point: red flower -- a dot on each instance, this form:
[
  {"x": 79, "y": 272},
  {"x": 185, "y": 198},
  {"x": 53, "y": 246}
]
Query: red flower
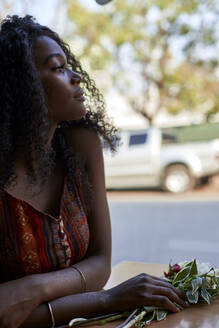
[
  {"x": 176, "y": 268},
  {"x": 172, "y": 269},
  {"x": 166, "y": 274}
]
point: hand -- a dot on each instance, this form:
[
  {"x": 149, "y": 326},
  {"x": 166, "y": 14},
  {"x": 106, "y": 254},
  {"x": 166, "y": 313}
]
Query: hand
[
  {"x": 145, "y": 290},
  {"x": 18, "y": 298}
]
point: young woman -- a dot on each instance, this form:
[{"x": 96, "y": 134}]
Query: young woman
[{"x": 55, "y": 240}]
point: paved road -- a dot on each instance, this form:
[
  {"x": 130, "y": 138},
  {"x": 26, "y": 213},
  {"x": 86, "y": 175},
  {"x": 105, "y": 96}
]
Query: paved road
[{"x": 158, "y": 231}]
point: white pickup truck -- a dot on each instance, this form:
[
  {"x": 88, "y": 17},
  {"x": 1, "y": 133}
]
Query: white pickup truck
[{"x": 150, "y": 158}]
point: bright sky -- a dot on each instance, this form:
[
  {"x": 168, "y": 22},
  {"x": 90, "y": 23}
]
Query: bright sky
[{"x": 47, "y": 12}]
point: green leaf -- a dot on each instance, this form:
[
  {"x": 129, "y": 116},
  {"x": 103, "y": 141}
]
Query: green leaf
[
  {"x": 205, "y": 295},
  {"x": 149, "y": 317},
  {"x": 181, "y": 286},
  {"x": 136, "y": 320},
  {"x": 196, "y": 283},
  {"x": 192, "y": 298},
  {"x": 150, "y": 308},
  {"x": 187, "y": 282},
  {"x": 188, "y": 264},
  {"x": 193, "y": 269},
  {"x": 207, "y": 274},
  {"x": 179, "y": 306},
  {"x": 206, "y": 282},
  {"x": 181, "y": 275},
  {"x": 161, "y": 314}
]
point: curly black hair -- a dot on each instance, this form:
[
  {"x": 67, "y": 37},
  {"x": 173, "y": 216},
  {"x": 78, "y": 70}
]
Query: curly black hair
[{"x": 23, "y": 108}]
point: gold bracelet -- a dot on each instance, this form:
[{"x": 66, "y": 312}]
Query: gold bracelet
[
  {"x": 51, "y": 315},
  {"x": 83, "y": 279}
]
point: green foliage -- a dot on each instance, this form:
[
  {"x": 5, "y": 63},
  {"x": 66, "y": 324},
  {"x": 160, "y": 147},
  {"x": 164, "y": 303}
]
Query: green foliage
[
  {"x": 192, "y": 297},
  {"x": 197, "y": 288},
  {"x": 161, "y": 315},
  {"x": 135, "y": 41},
  {"x": 149, "y": 317},
  {"x": 196, "y": 283},
  {"x": 205, "y": 295},
  {"x": 198, "y": 132},
  {"x": 180, "y": 276}
]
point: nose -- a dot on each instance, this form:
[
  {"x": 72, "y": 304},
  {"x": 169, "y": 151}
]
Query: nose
[{"x": 75, "y": 77}]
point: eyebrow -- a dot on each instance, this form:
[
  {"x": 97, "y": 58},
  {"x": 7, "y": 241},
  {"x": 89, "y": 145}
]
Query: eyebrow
[{"x": 57, "y": 54}]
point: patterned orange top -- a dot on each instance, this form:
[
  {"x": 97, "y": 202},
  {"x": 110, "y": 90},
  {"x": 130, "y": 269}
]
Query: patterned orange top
[{"x": 35, "y": 242}]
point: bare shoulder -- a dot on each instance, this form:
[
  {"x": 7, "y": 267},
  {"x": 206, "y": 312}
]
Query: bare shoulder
[{"x": 84, "y": 141}]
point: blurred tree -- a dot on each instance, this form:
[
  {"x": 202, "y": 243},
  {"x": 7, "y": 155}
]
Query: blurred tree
[{"x": 162, "y": 53}]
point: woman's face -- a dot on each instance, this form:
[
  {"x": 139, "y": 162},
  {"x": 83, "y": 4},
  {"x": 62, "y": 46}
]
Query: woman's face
[{"x": 62, "y": 85}]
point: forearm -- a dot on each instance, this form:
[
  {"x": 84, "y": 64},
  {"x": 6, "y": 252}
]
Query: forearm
[
  {"x": 65, "y": 308},
  {"x": 96, "y": 271}
]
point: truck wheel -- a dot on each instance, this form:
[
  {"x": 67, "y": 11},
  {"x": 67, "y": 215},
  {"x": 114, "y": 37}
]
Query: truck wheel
[
  {"x": 204, "y": 181},
  {"x": 177, "y": 178}
]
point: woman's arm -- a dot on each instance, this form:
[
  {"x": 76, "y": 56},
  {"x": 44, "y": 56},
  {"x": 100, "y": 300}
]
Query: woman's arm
[
  {"x": 133, "y": 293},
  {"x": 97, "y": 265},
  {"x": 18, "y": 298}
]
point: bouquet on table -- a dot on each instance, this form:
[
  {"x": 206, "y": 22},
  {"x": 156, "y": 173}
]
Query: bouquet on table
[{"x": 198, "y": 281}]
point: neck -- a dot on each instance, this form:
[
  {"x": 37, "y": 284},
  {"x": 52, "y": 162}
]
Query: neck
[{"x": 51, "y": 134}]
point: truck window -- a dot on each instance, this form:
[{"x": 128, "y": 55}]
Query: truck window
[
  {"x": 137, "y": 139},
  {"x": 168, "y": 138}
]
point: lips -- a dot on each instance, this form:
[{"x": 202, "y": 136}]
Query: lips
[{"x": 79, "y": 94}]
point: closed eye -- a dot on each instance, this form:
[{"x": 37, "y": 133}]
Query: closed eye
[{"x": 60, "y": 68}]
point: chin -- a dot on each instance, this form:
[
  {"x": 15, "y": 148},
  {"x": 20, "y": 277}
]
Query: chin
[
  {"x": 83, "y": 112},
  {"x": 76, "y": 113},
  {"x": 80, "y": 115}
]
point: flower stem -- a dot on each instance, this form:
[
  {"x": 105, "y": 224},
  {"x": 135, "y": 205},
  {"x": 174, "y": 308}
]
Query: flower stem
[{"x": 138, "y": 318}]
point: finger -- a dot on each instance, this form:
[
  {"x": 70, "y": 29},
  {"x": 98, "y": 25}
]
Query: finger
[
  {"x": 177, "y": 291},
  {"x": 160, "y": 280},
  {"x": 168, "y": 292},
  {"x": 163, "y": 283},
  {"x": 163, "y": 302},
  {"x": 155, "y": 278}
]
